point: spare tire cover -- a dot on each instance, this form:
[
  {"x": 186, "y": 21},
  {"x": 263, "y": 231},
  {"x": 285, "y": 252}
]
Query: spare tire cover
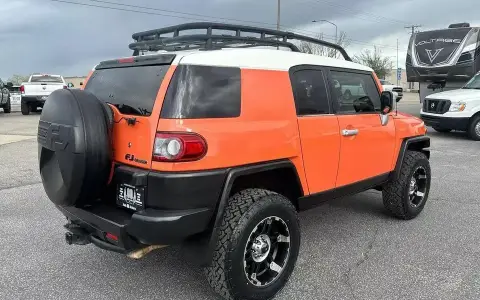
[{"x": 74, "y": 148}]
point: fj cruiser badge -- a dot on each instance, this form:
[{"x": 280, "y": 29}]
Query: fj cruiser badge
[{"x": 132, "y": 157}]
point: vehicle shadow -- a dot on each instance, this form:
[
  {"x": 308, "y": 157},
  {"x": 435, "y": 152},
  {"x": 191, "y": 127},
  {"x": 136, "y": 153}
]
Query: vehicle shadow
[
  {"x": 173, "y": 273},
  {"x": 453, "y": 135}
]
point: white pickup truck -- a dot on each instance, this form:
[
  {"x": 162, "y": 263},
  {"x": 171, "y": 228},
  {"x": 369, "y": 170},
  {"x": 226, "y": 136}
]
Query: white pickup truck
[
  {"x": 395, "y": 89},
  {"x": 37, "y": 89}
]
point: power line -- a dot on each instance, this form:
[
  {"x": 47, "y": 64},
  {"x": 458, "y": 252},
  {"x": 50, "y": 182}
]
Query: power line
[
  {"x": 347, "y": 8},
  {"x": 271, "y": 25},
  {"x": 124, "y": 9},
  {"x": 332, "y": 37},
  {"x": 198, "y": 17},
  {"x": 180, "y": 13}
]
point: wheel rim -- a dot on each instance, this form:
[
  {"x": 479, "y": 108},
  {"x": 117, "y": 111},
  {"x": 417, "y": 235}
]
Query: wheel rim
[
  {"x": 417, "y": 187},
  {"x": 267, "y": 251},
  {"x": 477, "y": 128}
]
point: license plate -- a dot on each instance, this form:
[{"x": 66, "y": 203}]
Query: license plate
[{"x": 131, "y": 197}]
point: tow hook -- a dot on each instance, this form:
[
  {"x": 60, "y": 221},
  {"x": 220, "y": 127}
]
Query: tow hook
[
  {"x": 139, "y": 253},
  {"x": 76, "y": 235}
]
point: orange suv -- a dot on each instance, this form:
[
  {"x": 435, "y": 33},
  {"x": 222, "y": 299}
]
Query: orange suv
[{"x": 199, "y": 138}]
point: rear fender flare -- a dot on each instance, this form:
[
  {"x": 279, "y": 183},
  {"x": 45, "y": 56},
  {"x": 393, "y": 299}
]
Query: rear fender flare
[{"x": 232, "y": 175}]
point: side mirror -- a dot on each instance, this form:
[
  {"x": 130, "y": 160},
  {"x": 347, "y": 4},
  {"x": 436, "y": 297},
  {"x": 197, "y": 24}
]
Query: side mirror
[
  {"x": 386, "y": 101},
  {"x": 70, "y": 85}
]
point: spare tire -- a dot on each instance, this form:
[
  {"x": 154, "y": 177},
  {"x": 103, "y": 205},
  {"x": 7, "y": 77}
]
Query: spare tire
[{"x": 74, "y": 147}]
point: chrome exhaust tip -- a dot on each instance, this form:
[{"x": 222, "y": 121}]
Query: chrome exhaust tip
[{"x": 140, "y": 253}]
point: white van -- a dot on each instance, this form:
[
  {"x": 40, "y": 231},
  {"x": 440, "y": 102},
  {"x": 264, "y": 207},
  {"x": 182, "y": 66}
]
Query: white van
[{"x": 455, "y": 109}]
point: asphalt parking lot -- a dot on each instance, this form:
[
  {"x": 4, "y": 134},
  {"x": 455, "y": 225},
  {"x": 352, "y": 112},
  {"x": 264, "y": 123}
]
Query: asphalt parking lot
[{"x": 350, "y": 248}]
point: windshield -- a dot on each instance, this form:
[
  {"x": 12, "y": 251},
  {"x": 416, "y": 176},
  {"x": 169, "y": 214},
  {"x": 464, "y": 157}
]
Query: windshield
[
  {"x": 384, "y": 82},
  {"x": 474, "y": 83},
  {"x": 132, "y": 90},
  {"x": 46, "y": 78}
]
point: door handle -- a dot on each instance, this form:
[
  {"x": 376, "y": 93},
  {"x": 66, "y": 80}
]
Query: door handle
[{"x": 349, "y": 132}]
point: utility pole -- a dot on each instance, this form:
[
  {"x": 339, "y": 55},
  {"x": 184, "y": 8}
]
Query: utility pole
[
  {"x": 397, "y": 64},
  {"x": 413, "y": 27},
  {"x": 278, "y": 15},
  {"x": 278, "y": 19}
]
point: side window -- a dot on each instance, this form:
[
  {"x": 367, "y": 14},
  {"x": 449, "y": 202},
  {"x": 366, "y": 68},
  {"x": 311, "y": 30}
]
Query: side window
[
  {"x": 310, "y": 92},
  {"x": 355, "y": 92},
  {"x": 203, "y": 92}
]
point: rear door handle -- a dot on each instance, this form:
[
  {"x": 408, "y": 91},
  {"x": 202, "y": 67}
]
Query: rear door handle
[{"x": 349, "y": 132}]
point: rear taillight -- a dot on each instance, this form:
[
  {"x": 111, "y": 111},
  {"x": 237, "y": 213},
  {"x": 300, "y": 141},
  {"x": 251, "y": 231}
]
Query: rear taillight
[
  {"x": 22, "y": 89},
  {"x": 64, "y": 86},
  {"x": 173, "y": 147}
]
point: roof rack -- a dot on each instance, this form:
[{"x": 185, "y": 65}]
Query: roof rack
[{"x": 153, "y": 40}]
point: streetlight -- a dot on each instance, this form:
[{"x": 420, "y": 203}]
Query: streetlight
[{"x": 336, "y": 28}]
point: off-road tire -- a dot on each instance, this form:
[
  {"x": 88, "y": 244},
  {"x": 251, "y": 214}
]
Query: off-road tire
[
  {"x": 472, "y": 133},
  {"x": 25, "y": 108},
  {"x": 8, "y": 107},
  {"x": 440, "y": 129},
  {"x": 244, "y": 210},
  {"x": 396, "y": 192}
]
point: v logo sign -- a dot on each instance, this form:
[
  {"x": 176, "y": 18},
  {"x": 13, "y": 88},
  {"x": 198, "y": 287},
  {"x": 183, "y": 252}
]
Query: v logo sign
[{"x": 432, "y": 57}]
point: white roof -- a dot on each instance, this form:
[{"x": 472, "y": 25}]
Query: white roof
[{"x": 265, "y": 59}]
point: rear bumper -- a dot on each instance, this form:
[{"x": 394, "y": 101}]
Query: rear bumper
[
  {"x": 34, "y": 99},
  {"x": 150, "y": 227},
  {"x": 460, "y": 124},
  {"x": 178, "y": 205}
]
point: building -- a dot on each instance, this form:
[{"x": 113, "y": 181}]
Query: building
[
  {"x": 392, "y": 77},
  {"x": 75, "y": 80}
]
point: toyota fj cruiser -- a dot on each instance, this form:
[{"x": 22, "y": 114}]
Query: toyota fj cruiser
[{"x": 195, "y": 138}]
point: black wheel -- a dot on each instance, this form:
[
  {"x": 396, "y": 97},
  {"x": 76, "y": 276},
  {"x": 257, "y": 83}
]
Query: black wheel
[
  {"x": 8, "y": 107},
  {"x": 440, "y": 129},
  {"x": 347, "y": 95},
  {"x": 406, "y": 196},
  {"x": 25, "y": 108},
  {"x": 474, "y": 128},
  {"x": 257, "y": 248}
]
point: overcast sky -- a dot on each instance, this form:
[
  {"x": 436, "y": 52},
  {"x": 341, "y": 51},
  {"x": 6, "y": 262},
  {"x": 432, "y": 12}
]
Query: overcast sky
[{"x": 53, "y": 37}]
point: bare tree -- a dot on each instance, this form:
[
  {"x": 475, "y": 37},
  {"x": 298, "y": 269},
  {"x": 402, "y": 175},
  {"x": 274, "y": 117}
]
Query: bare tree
[
  {"x": 17, "y": 79},
  {"x": 316, "y": 49},
  {"x": 382, "y": 65}
]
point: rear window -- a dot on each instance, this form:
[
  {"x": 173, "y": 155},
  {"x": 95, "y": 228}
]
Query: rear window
[
  {"x": 203, "y": 92},
  {"x": 132, "y": 90},
  {"x": 46, "y": 78}
]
